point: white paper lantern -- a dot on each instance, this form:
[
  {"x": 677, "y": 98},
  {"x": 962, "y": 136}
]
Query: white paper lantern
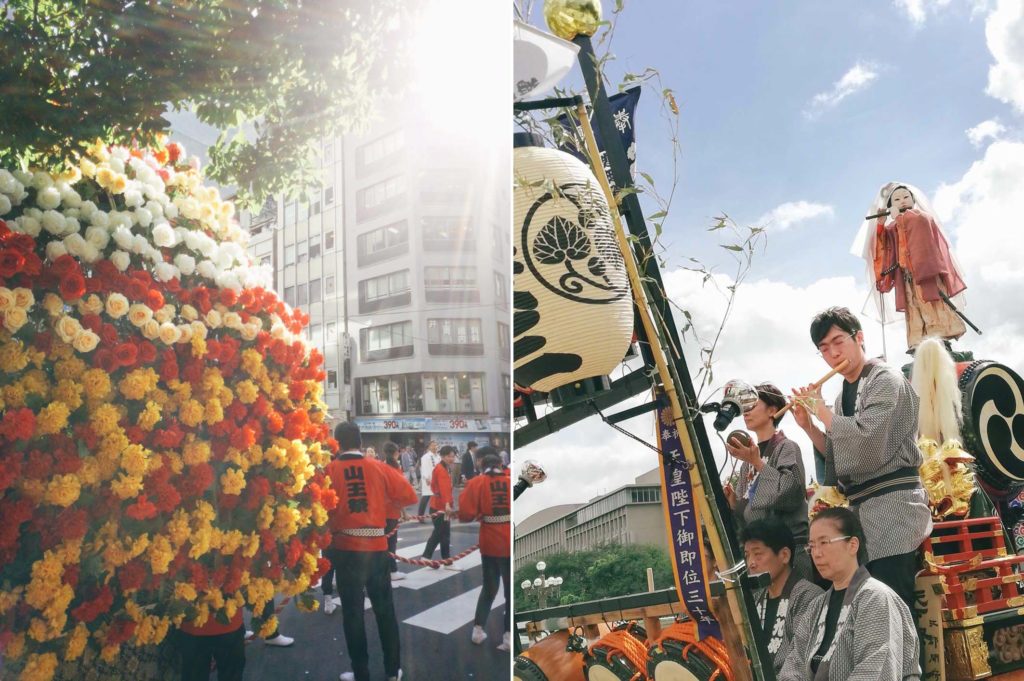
[{"x": 573, "y": 309}]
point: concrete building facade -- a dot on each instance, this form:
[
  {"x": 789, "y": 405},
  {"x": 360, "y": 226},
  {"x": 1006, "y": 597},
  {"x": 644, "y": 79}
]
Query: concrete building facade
[
  {"x": 402, "y": 260},
  {"x": 631, "y": 514}
]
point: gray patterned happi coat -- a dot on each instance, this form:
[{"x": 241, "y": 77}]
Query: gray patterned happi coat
[
  {"x": 797, "y": 596},
  {"x": 878, "y": 438},
  {"x": 875, "y": 637}
]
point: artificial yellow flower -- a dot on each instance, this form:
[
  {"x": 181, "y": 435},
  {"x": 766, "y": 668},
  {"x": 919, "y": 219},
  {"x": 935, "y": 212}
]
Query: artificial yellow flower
[
  {"x": 247, "y": 392},
  {"x": 68, "y": 392},
  {"x": 13, "y": 395},
  {"x": 76, "y": 642},
  {"x": 214, "y": 412},
  {"x": 63, "y": 490},
  {"x": 12, "y": 356},
  {"x": 185, "y": 591},
  {"x": 195, "y": 452},
  {"x": 191, "y": 413},
  {"x": 104, "y": 419},
  {"x": 39, "y": 667},
  {"x": 69, "y": 368},
  {"x": 160, "y": 554},
  {"x": 232, "y": 481},
  {"x": 52, "y": 418},
  {"x": 150, "y": 416},
  {"x": 126, "y": 486}
]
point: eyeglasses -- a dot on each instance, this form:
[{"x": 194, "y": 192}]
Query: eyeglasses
[
  {"x": 821, "y": 544},
  {"x": 834, "y": 344}
]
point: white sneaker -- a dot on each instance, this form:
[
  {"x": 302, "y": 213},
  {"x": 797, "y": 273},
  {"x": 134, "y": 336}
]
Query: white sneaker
[
  {"x": 397, "y": 576},
  {"x": 249, "y": 634},
  {"x": 506, "y": 642},
  {"x": 281, "y": 641},
  {"x": 347, "y": 676},
  {"x": 396, "y": 678},
  {"x": 331, "y": 604},
  {"x": 453, "y": 568},
  {"x": 478, "y": 634}
]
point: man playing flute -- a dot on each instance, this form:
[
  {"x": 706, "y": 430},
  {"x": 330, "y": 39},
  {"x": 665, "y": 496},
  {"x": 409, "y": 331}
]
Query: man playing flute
[{"x": 868, "y": 442}]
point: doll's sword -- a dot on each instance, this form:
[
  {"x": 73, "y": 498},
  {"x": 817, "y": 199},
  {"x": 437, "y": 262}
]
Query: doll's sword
[{"x": 959, "y": 314}]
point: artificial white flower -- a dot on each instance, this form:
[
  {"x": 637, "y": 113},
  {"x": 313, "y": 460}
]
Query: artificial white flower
[
  {"x": 140, "y": 244},
  {"x": 121, "y": 260},
  {"x": 124, "y": 237},
  {"x": 75, "y": 244},
  {"x": 165, "y": 271},
  {"x": 54, "y": 222},
  {"x": 207, "y": 269},
  {"x": 229, "y": 280},
  {"x": 143, "y": 216},
  {"x": 23, "y": 177},
  {"x": 133, "y": 198},
  {"x": 170, "y": 210},
  {"x": 186, "y": 263},
  {"x": 5, "y": 204},
  {"x": 86, "y": 210},
  {"x": 48, "y": 198},
  {"x": 155, "y": 208},
  {"x": 116, "y": 164},
  {"x": 223, "y": 259},
  {"x": 163, "y": 235},
  {"x": 68, "y": 196},
  {"x": 29, "y": 225},
  {"x": 99, "y": 218},
  {"x": 71, "y": 226},
  {"x": 55, "y": 249},
  {"x": 71, "y": 213},
  {"x": 90, "y": 254},
  {"x": 41, "y": 180},
  {"x": 97, "y": 236},
  {"x": 9, "y": 184}
]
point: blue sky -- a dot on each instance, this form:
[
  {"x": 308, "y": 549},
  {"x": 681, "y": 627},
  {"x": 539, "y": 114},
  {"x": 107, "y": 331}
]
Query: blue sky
[{"x": 820, "y": 103}]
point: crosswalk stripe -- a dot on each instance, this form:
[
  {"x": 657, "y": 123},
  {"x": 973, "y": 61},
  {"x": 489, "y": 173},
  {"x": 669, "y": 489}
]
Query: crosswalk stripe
[
  {"x": 453, "y": 613},
  {"x": 417, "y": 579}
]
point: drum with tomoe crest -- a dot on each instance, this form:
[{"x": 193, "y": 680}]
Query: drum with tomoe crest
[{"x": 993, "y": 422}]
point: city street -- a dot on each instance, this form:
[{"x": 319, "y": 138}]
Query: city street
[{"x": 435, "y": 613}]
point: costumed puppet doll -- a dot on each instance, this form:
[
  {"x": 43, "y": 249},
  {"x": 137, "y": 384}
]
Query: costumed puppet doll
[{"x": 907, "y": 252}]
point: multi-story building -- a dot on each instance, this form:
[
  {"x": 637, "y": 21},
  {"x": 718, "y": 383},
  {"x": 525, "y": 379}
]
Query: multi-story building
[
  {"x": 402, "y": 260},
  {"x": 631, "y": 514}
]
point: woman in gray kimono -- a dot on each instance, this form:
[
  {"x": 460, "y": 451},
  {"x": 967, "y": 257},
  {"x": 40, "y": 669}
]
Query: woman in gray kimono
[
  {"x": 772, "y": 482},
  {"x": 858, "y": 630}
]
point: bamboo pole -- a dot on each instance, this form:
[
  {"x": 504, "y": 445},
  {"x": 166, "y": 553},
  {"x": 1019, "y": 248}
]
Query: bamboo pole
[{"x": 735, "y": 643}]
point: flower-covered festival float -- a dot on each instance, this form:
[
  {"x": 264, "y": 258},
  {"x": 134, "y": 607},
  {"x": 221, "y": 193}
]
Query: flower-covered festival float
[{"x": 162, "y": 433}]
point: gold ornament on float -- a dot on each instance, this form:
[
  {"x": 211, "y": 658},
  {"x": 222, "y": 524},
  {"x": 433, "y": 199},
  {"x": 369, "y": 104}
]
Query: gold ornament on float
[
  {"x": 573, "y": 312},
  {"x": 570, "y": 18},
  {"x": 947, "y": 476}
]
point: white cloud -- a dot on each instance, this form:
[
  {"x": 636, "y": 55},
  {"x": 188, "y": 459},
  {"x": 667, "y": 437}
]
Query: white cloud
[
  {"x": 917, "y": 10},
  {"x": 860, "y": 76},
  {"x": 990, "y": 129},
  {"x": 1004, "y": 32},
  {"x": 786, "y": 215}
]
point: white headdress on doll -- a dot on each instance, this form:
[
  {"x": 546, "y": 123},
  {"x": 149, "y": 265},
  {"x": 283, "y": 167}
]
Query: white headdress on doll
[{"x": 879, "y": 306}]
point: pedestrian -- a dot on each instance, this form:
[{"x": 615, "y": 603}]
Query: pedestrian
[
  {"x": 394, "y": 514},
  {"x": 409, "y": 466},
  {"x": 486, "y": 498},
  {"x": 427, "y": 464},
  {"x": 468, "y": 469},
  {"x": 365, "y": 489},
  {"x": 212, "y": 641},
  {"x": 769, "y": 546},
  {"x": 868, "y": 444},
  {"x": 275, "y": 637},
  {"x": 772, "y": 482},
  {"x": 442, "y": 503},
  {"x": 859, "y": 628}
]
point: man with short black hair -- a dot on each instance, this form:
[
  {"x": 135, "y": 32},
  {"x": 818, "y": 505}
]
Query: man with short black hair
[
  {"x": 469, "y": 470},
  {"x": 487, "y": 499},
  {"x": 365, "y": 489},
  {"x": 869, "y": 447},
  {"x": 442, "y": 504},
  {"x": 768, "y": 546}
]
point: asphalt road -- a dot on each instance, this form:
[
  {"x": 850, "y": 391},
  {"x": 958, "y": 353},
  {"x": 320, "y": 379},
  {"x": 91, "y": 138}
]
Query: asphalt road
[{"x": 435, "y": 614}]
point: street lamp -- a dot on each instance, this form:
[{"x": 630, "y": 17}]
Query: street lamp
[{"x": 543, "y": 586}]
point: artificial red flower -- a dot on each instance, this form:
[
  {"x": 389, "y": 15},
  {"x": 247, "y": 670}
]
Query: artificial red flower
[
  {"x": 147, "y": 352},
  {"x": 11, "y": 262},
  {"x": 142, "y": 509},
  {"x": 228, "y": 297},
  {"x": 126, "y": 354},
  {"x": 72, "y": 286},
  {"x": 72, "y": 523},
  {"x": 108, "y": 334},
  {"x": 154, "y": 299},
  {"x": 94, "y": 607},
  {"x": 132, "y": 575}
]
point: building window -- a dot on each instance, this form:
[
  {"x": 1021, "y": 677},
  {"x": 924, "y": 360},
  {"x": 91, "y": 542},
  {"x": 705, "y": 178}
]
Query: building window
[
  {"x": 506, "y": 393},
  {"x": 289, "y": 214},
  {"x": 380, "y": 149},
  {"x": 329, "y": 240},
  {"x": 289, "y": 295},
  {"x": 390, "y": 394},
  {"x": 500, "y": 291},
  {"x": 301, "y": 297},
  {"x": 389, "y": 290},
  {"x": 329, "y": 285},
  {"x": 447, "y": 233},
  {"x": 454, "y": 337},
  {"x": 332, "y": 379},
  {"x": 314, "y": 291},
  {"x": 301, "y": 254},
  {"x": 388, "y": 341},
  {"x": 266, "y": 259},
  {"x": 503, "y": 339},
  {"x": 314, "y": 246},
  {"x": 289, "y": 255},
  {"x": 316, "y": 335},
  {"x": 379, "y": 197},
  {"x": 383, "y": 243},
  {"x": 451, "y": 284},
  {"x": 314, "y": 209},
  {"x": 329, "y": 196},
  {"x": 454, "y": 393},
  {"x": 328, "y": 154},
  {"x": 443, "y": 186},
  {"x": 332, "y": 332}
]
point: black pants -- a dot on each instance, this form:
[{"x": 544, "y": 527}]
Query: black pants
[
  {"x": 197, "y": 651},
  {"x": 442, "y": 535},
  {"x": 360, "y": 572},
  {"x": 897, "y": 572},
  {"x": 494, "y": 569},
  {"x": 327, "y": 581},
  {"x": 424, "y": 500},
  {"x": 389, "y": 525}
]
